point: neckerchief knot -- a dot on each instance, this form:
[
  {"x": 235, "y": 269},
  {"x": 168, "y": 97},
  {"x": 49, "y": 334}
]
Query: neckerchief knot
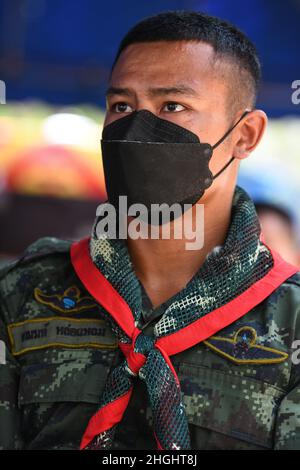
[{"x": 137, "y": 351}]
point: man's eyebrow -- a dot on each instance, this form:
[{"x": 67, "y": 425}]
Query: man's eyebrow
[
  {"x": 173, "y": 90},
  {"x": 112, "y": 90},
  {"x": 153, "y": 92}
]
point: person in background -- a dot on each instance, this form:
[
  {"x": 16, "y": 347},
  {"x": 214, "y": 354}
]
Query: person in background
[{"x": 275, "y": 198}]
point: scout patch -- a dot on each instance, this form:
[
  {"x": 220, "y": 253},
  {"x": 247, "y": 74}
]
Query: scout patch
[
  {"x": 42, "y": 333},
  {"x": 70, "y": 301},
  {"x": 242, "y": 348}
]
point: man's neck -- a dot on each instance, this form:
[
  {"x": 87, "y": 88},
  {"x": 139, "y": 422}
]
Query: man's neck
[{"x": 164, "y": 267}]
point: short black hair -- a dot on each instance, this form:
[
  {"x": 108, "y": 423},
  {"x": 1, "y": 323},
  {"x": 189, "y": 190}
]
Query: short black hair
[{"x": 228, "y": 42}]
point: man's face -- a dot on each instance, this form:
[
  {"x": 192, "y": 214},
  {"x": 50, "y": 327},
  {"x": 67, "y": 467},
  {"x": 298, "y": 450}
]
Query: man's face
[{"x": 177, "y": 81}]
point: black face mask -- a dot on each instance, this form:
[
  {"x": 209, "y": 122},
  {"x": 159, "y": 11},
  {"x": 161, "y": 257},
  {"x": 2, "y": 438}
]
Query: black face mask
[{"x": 154, "y": 161}]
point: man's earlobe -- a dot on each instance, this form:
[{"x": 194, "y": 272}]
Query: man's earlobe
[{"x": 241, "y": 153}]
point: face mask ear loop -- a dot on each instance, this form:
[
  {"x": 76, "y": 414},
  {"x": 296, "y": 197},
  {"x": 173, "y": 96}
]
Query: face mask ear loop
[
  {"x": 223, "y": 138},
  {"x": 224, "y": 168},
  {"x": 230, "y": 130}
]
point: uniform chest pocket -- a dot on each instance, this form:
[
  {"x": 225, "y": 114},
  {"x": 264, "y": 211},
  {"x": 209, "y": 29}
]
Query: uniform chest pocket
[
  {"x": 228, "y": 410},
  {"x": 59, "y": 391},
  {"x": 77, "y": 379}
]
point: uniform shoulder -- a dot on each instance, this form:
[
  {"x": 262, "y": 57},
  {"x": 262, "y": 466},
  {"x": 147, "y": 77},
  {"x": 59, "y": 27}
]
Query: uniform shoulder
[
  {"x": 285, "y": 300},
  {"x": 40, "y": 248},
  {"x": 289, "y": 292},
  {"x": 44, "y": 263},
  {"x": 294, "y": 279}
]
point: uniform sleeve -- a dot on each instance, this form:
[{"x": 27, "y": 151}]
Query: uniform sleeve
[
  {"x": 287, "y": 430},
  {"x": 287, "y": 436},
  {"x": 10, "y": 414}
]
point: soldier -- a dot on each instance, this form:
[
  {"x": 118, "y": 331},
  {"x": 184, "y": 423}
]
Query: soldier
[{"x": 140, "y": 343}]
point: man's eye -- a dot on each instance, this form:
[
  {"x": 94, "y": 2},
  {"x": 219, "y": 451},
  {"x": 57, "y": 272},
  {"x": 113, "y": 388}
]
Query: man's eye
[
  {"x": 173, "y": 107},
  {"x": 121, "y": 108}
]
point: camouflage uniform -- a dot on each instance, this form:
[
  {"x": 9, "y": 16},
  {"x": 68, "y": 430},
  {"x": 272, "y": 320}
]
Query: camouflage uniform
[{"x": 59, "y": 354}]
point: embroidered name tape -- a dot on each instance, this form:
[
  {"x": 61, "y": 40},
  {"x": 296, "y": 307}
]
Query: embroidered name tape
[
  {"x": 41, "y": 333},
  {"x": 242, "y": 348}
]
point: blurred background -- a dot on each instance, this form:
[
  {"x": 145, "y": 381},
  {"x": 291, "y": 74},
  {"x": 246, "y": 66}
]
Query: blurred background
[{"x": 55, "y": 57}]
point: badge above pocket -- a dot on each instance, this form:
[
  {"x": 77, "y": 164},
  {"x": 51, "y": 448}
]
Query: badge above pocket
[
  {"x": 69, "y": 301},
  {"x": 243, "y": 348}
]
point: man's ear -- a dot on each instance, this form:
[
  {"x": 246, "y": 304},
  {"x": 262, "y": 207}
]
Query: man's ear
[{"x": 250, "y": 131}]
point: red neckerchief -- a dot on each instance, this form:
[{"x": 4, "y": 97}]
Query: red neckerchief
[{"x": 106, "y": 295}]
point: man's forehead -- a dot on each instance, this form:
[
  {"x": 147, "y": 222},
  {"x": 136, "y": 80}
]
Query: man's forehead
[
  {"x": 162, "y": 66},
  {"x": 182, "y": 49}
]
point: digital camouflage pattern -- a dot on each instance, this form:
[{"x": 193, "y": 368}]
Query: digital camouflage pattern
[{"x": 58, "y": 358}]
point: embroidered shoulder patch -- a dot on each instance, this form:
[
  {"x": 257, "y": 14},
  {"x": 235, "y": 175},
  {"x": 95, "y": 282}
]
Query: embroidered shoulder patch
[
  {"x": 41, "y": 333},
  {"x": 70, "y": 301},
  {"x": 242, "y": 348}
]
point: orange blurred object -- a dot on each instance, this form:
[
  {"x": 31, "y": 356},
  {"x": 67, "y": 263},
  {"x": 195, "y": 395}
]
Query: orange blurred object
[{"x": 54, "y": 170}]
